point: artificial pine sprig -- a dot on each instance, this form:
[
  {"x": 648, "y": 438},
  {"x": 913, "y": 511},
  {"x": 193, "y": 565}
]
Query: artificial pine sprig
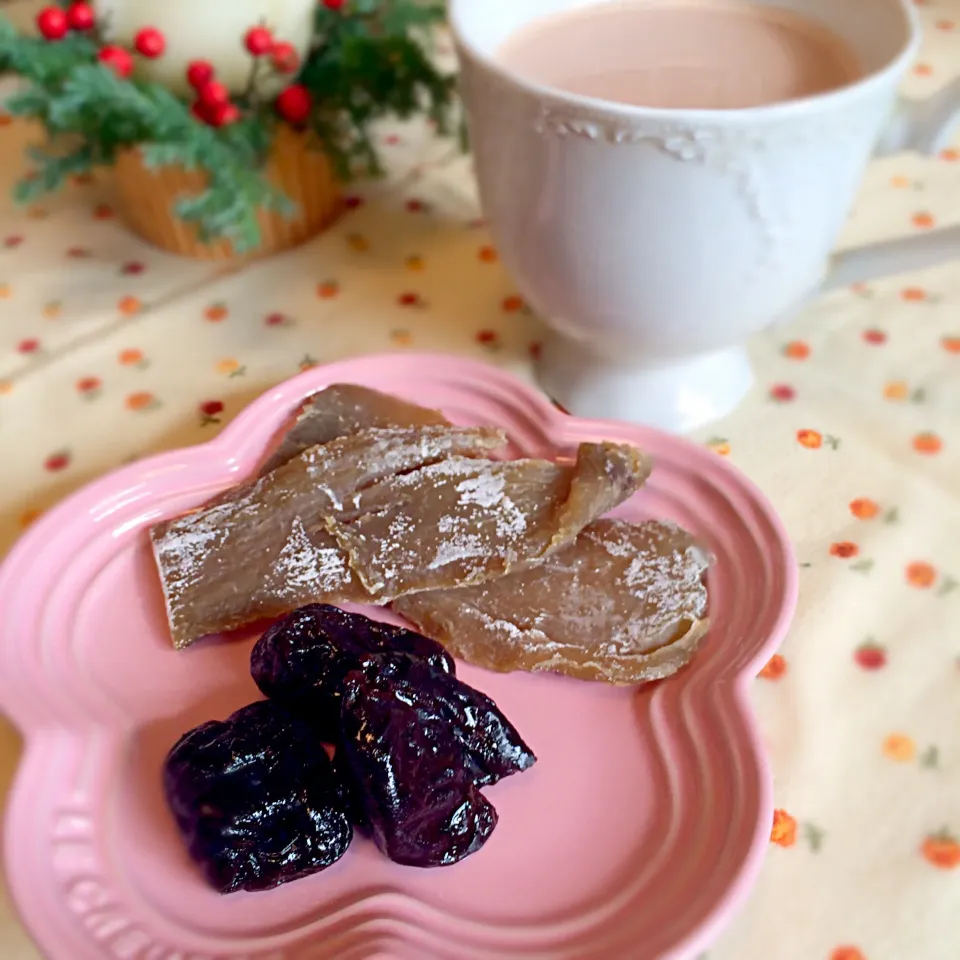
[{"x": 367, "y": 59}]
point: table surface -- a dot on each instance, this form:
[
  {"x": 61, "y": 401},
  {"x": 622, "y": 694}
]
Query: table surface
[{"x": 110, "y": 350}]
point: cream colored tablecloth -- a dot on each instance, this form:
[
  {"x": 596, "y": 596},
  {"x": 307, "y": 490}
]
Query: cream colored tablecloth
[{"x": 110, "y": 351}]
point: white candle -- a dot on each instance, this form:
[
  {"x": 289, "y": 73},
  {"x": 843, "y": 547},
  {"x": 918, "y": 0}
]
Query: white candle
[{"x": 211, "y": 30}]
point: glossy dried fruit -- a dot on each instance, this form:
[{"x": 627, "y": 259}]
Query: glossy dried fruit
[
  {"x": 256, "y": 799},
  {"x": 301, "y": 661},
  {"x": 419, "y": 745}
]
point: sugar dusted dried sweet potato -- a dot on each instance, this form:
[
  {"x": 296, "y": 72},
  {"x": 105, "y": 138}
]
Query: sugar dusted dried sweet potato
[
  {"x": 261, "y": 549},
  {"x": 344, "y": 409},
  {"x": 464, "y": 521},
  {"x": 626, "y": 603}
]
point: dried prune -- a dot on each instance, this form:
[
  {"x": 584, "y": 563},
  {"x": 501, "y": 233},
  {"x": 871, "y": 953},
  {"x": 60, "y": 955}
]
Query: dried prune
[
  {"x": 412, "y": 778},
  {"x": 493, "y": 745},
  {"x": 302, "y": 659},
  {"x": 419, "y": 745},
  {"x": 256, "y": 799}
]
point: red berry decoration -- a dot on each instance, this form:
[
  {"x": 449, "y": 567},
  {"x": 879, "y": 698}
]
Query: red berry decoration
[
  {"x": 52, "y": 23},
  {"x": 223, "y": 115},
  {"x": 199, "y": 73},
  {"x": 213, "y": 94},
  {"x": 258, "y": 41},
  {"x": 285, "y": 58},
  {"x": 150, "y": 43},
  {"x": 118, "y": 59},
  {"x": 80, "y": 16},
  {"x": 334, "y": 4},
  {"x": 294, "y": 103}
]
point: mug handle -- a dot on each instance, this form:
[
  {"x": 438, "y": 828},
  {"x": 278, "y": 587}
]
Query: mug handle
[{"x": 924, "y": 126}]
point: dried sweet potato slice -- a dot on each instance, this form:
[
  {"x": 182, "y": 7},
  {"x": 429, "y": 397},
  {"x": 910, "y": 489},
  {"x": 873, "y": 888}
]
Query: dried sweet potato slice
[
  {"x": 464, "y": 521},
  {"x": 626, "y": 603},
  {"x": 261, "y": 549},
  {"x": 344, "y": 409}
]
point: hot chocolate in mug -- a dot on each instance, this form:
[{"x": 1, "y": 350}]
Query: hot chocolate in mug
[{"x": 655, "y": 241}]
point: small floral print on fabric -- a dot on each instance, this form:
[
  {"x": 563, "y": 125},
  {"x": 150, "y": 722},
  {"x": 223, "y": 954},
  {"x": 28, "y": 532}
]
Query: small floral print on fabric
[
  {"x": 797, "y": 350},
  {"x": 845, "y": 550},
  {"x": 210, "y": 411},
  {"x": 784, "y": 831},
  {"x": 132, "y": 357},
  {"x": 410, "y": 299},
  {"x": 814, "y": 440},
  {"x": 141, "y": 401},
  {"x": 514, "y": 304},
  {"x": 216, "y": 312},
  {"x": 942, "y": 850},
  {"x": 89, "y": 387},
  {"x": 57, "y": 461},
  {"x": 847, "y": 953},
  {"x": 870, "y": 656},
  {"x": 328, "y": 289},
  {"x": 921, "y": 575},
  {"x": 896, "y": 390},
  {"x": 782, "y": 393},
  {"x": 29, "y": 517},
  {"x": 230, "y": 367},
  {"x": 129, "y": 306},
  {"x": 899, "y": 747},
  {"x": 720, "y": 446},
  {"x": 787, "y": 831},
  {"x": 775, "y": 669},
  {"x": 927, "y": 443},
  {"x": 863, "y": 508}
]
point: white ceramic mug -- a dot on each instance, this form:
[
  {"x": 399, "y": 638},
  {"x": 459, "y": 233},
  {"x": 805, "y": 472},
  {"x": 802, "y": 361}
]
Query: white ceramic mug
[{"x": 655, "y": 242}]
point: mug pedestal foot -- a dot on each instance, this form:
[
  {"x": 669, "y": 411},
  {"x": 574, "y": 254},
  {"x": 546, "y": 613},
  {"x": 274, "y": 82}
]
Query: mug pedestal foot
[{"x": 678, "y": 397}]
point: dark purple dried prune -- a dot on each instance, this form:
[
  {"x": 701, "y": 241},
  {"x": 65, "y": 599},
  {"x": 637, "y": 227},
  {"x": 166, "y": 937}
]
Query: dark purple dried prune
[
  {"x": 256, "y": 799},
  {"x": 420, "y": 745},
  {"x": 412, "y": 777},
  {"x": 302, "y": 659},
  {"x": 492, "y": 743}
]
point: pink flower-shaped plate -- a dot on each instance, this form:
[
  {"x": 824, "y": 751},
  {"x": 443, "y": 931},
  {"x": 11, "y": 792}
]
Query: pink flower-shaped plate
[{"x": 636, "y": 835}]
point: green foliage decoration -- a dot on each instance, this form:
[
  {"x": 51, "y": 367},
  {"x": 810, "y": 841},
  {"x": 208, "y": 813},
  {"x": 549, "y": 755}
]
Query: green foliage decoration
[{"x": 368, "y": 59}]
